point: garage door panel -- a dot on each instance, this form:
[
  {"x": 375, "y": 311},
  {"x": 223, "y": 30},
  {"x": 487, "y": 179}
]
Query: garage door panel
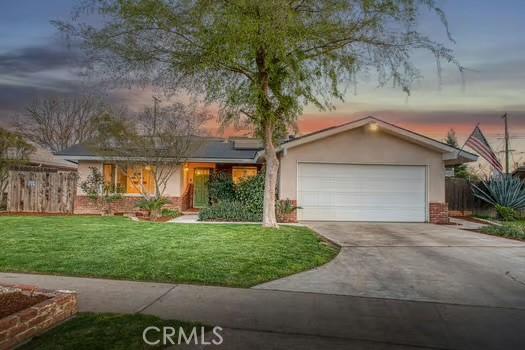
[
  {"x": 361, "y": 185},
  {"x": 358, "y": 214},
  {"x": 345, "y": 192}
]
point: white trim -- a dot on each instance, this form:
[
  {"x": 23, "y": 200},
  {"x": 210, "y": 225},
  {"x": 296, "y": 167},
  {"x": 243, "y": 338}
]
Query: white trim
[
  {"x": 181, "y": 161},
  {"x": 460, "y": 154},
  {"x": 427, "y": 194},
  {"x": 425, "y": 166}
]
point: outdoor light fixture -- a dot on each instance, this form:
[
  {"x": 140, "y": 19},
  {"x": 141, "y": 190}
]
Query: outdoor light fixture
[{"x": 374, "y": 127}]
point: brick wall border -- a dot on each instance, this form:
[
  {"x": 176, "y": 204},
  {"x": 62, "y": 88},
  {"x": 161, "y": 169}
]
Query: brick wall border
[
  {"x": 128, "y": 205},
  {"x": 21, "y": 326},
  {"x": 438, "y": 213}
]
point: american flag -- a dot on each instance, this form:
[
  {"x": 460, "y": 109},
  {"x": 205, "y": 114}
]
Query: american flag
[{"x": 479, "y": 143}]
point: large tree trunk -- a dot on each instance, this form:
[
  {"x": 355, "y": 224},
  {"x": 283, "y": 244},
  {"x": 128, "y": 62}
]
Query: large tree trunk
[{"x": 270, "y": 179}]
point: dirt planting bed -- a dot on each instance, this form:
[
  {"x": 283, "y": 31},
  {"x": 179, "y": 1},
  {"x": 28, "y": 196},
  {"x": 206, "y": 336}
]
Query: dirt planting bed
[
  {"x": 12, "y": 302},
  {"x": 26, "y": 311}
]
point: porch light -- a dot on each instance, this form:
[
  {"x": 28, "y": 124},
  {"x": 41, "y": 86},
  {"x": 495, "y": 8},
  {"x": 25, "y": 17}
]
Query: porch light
[{"x": 374, "y": 127}]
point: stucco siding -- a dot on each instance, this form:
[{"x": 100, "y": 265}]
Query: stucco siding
[
  {"x": 363, "y": 146},
  {"x": 84, "y": 171}
]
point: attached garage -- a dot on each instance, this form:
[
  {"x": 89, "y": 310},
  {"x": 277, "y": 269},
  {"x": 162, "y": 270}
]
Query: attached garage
[
  {"x": 367, "y": 170},
  {"x": 355, "y": 192}
]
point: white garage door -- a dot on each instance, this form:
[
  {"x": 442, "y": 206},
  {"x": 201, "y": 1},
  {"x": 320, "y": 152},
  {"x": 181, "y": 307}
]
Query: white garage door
[{"x": 348, "y": 192}]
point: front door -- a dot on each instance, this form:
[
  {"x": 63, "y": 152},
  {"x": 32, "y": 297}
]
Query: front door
[{"x": 200, "y": 187}]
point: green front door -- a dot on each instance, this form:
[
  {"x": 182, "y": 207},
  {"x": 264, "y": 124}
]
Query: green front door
[{"x": 200, "y": 187}]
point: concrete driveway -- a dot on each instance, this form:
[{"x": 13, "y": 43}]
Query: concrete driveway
[{"x": 416, "y": 262}]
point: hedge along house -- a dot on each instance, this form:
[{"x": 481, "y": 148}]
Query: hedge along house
[{"x": 365, "y": 170}]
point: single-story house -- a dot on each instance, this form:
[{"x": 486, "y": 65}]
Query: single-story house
[{"x": 364, "y": 170}]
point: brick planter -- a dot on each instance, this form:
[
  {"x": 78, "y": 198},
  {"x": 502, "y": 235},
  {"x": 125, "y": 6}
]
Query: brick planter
[
  {"x": 23, "y": 325},
  {"x": 128, "y": 205}
]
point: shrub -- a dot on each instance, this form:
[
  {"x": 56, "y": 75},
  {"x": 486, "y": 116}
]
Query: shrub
[
  {"x": 234, "y": 202},
  {"x": 509, "y": 230},
  {"x": 240, "y": 202},
  {"x": 172, "y": 213},
  {"x": 220, "y": 187},
  {"x": 503, "y": 190},
  {"x": 228, "y": 211},
  {"x": 153, "y": 205},
  {"x": 250, "y": 192},
  {"x": 284, "y": 208},
  {"x": 506, "y": 213},
  {"x": 100, "y": 193}
]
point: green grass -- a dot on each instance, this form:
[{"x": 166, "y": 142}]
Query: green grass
[
  {"x": 116, "y": 247},
  {"x": 514, "y": 230},
  {"x": 104, "y": 331}
]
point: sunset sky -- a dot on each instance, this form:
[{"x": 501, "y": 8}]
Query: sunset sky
[{"x": 490, "y": 42}]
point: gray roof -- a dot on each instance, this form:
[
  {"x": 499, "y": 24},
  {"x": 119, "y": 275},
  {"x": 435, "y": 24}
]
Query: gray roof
[
  {"x": 44, "y": 158},
  {"x": 207, "y": 148}
]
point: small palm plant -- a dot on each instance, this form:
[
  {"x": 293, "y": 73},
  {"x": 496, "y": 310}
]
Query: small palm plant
[
  {"x": 505, "y": 192},
  {"x": 153, "y": 206}
]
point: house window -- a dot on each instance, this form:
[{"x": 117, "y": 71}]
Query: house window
[
  {"x": 240, "y": 173},
  {"x": 132, "y": 180}
]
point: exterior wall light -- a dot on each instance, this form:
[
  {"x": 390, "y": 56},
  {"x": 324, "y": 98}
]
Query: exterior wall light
[{"x": 373, "y": 127}]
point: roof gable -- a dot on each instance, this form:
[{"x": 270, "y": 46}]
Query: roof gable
[{"x": 449, "y": 152}]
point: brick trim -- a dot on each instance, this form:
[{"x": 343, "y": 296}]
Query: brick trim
[
  {"x": 438, "y": 213},
  {"x": 128, "y": 205}
]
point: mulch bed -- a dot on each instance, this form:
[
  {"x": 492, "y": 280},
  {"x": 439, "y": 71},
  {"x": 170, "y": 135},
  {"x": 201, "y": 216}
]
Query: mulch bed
[
  {"x": 13, "y": 302},
  {"x": 161, "y": 219}
]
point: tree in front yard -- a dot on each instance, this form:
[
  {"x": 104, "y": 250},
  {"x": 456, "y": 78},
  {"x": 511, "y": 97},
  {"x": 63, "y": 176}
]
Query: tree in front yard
[
  {"x": 14, "y": 151},
  {"x": 261, "y": 61},
  {"x": 460, "y": 170},
  {"x": 157, "y": 141},
  {"x": 99, "y": 192}
]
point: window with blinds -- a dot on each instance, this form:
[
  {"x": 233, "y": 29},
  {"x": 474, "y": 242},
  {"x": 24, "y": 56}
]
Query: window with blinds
[{"x": 130, "y": 180}]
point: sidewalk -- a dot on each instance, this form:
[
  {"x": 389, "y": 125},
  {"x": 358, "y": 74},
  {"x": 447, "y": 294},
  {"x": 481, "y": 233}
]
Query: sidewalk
[
  {"x": 467, "y": 225},
  {"x": 251, "y": 314}
]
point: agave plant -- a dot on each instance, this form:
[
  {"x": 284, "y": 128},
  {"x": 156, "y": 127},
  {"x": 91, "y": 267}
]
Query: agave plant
[{"x": 503, "y": 190}]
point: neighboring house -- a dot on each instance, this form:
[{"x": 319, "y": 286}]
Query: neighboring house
[
  {"x": 365, "y": 170},
  {"x": 44, "y": 159}
]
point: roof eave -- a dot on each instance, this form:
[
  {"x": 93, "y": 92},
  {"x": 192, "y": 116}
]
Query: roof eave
[
  {"x": 193, "y": 159},
  {"x": 408, "y": 135}
]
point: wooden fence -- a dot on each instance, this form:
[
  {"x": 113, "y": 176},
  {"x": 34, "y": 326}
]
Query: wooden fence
[
  {"x": 41, "y": 191},
  {"x": 462, "y": 202}
]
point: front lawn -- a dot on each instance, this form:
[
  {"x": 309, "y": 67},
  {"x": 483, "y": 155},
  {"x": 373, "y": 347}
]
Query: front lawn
[
  {"x": 104, "y": 331},
  {"x": 116, "y": 247},
  {"x": 514, "y": 230}
]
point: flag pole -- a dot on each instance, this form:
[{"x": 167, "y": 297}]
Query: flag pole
[{"x": 507, "y": 140}]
